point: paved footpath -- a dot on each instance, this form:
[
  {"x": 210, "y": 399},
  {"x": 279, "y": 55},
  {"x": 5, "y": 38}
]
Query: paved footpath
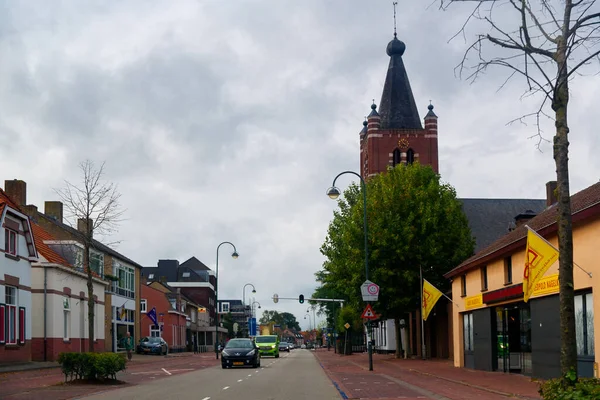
[
  {"x": 419, "y": 379},
  {"x": 47, "y": 383}
]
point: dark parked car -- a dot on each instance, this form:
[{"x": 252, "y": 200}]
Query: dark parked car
[
  {"x": 153, "y": 345},
  {"x": 240, "y": 353}
]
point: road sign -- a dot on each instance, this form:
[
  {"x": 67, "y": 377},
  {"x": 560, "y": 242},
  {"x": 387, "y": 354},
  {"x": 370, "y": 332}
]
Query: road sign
[
  {"x": 368, "y": 313},
  {"x": 347, "y": 325},
  {"x": 235, "y": 327},
  {"x": 275, "y": 298},
  {"x": 370, "y": 291}
]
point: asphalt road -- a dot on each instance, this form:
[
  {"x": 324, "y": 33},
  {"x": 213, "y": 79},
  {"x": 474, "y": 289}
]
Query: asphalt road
[{"x": 293, "y": 376}]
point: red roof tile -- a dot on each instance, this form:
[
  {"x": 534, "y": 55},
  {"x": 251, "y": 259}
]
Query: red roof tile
[
  {"x": 5, "y": 200},
  {"x": 584, "y": 204},
  {"x": 40, "y": 235}
]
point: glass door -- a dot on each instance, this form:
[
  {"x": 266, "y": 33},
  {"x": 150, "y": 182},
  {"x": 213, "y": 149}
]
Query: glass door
[{"x": 502, "y": 349}]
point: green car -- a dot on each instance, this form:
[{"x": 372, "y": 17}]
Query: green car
[{"x": 268, "y": 345}]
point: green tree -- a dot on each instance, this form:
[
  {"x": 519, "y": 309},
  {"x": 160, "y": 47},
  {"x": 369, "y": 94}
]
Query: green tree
[
  {"x": 285, "y": 319},
  {"x": 415, "y": 222},
  {"x": 547, "y": 43},
  {"x": 228, "y": 324}
]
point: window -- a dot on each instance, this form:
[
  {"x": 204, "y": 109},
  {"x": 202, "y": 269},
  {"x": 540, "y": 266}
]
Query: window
[
  {"x": 97, "y": 263},
  {"x": 173, "y": 304},
  {"x": 10, "y": 242},
  {"x": 66, "y": 318},
  {"x": 410, "y": 156},
  {"x": 185, "y": 275},
  {"x": 396, "y": 156},
  {"x": 225, "y": 307},
  {"x": 125, "y": 286},
  {"x": 151, "y": 276},
  {"x": 507, "y": 270},
  {"x": 11, "y": 314},
  {"x": 143, "y": 305},
  {"x": 468, "y": 331},
  {"x": 484, "y": 280},
  {"x": 463, "y": 285},
  {"x": 584, "y": 324},
  {"x": 154, "y": 331}
]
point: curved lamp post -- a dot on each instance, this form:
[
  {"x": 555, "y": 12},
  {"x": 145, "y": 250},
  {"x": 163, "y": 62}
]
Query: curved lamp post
[
  {"x": 252, "y": 307},
  {"x": 234, "y": 255},
  {"x": 244, "y": 291},
  {"x": 333, "y": 193}
]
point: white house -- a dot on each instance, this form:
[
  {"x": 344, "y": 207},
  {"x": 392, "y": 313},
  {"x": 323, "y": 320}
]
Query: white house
[
  {"x": 60, "y": 303},
  {"x": 17, "y": 246}
]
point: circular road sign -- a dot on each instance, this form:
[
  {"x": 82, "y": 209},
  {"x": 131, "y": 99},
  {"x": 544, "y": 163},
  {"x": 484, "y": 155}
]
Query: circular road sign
[{"x": 373, "y": 289}]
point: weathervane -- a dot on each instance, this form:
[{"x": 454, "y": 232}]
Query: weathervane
[{"x": 394, "y": 4}]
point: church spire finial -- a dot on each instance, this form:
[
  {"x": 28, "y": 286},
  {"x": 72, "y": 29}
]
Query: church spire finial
[{"x": 394, "y": 4}]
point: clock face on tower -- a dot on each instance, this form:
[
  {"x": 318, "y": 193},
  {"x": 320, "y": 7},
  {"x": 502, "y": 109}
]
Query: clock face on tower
[{"x": 403, "y": 143}]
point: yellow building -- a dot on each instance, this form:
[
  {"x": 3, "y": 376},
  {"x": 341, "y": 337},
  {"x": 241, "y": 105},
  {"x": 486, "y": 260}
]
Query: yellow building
[{"x": 495, "y": 330}]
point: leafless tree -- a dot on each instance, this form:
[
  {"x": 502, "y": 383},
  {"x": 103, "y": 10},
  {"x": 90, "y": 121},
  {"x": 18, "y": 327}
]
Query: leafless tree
[
  {"x": 547, "y": 43},
  {"x": 96, "y": 203}
]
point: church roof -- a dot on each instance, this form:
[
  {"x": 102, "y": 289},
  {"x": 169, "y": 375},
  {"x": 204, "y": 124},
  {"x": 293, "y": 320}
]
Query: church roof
[{"x": 398, "y": 109}]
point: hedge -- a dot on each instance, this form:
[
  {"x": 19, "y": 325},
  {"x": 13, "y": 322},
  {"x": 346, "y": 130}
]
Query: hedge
[
  {"x": 91, "y": 366},
  {"x": 570, "y": 387}
]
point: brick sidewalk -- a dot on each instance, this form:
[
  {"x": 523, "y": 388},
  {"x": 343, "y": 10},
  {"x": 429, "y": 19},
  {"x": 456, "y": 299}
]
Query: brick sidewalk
[{"x": 419, "y": 379}]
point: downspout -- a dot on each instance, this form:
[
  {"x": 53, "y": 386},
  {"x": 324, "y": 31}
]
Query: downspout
[{"x": 45, "y": 333}]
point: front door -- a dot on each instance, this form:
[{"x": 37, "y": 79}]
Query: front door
[{"x": 513, "y": 338}]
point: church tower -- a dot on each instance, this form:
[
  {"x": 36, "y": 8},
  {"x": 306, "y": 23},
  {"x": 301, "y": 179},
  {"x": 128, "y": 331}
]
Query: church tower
[{"x": 394, "y": 134}]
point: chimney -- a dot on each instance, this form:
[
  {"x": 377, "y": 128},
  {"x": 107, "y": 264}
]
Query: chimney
[
  {"x": 54, "y": 209},
  {"x": 82, "y": 226},
  {"x": 551, "y": 197},
  {"x": 16, "y": 191},
  {"x": 30, "y": 210}
]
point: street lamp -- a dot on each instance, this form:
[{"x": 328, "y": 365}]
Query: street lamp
[
  {"x": 333, "y": 192},
  {"x": 234, "y": 255},
  {"x": 252, "y": 307},
  {"x": 244, "y": 291}
]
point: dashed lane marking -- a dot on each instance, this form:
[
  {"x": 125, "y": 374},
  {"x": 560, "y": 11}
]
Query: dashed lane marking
[
  {"x": 240, "y": 380},
  {"x": 206, "y": 398},
  {"x": 226, "y": 387},
  {"x": 167, "y": 372}
]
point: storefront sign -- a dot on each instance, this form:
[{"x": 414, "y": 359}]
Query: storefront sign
[
  {"x": 474, "y": 301},
  {"x": 507, "y": 293},
  {"x": 546, "y": 285}
]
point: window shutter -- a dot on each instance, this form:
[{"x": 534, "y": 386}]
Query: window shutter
[
  {"x": 2, "y": 324},
  {"x": 22, "y": 325}
]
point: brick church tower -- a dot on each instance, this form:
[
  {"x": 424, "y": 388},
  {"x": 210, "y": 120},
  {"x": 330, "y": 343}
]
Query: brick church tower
[{"x": 394, "y": 135}]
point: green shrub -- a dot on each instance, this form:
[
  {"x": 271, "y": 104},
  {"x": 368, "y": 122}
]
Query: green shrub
[
  {"x": 91, "y": 366},
  {"x": 565, "y": 389}
]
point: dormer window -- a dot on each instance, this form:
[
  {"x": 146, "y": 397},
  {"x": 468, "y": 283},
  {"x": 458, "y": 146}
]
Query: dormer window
[
  {"x": 185, "y": 275},
  {"x": 10, "y": 242},
  {"x": 151, "y": 276}
]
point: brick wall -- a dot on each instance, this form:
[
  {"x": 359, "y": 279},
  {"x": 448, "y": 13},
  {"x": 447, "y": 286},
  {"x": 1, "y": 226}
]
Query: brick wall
[
  {"x": 18, "y": 353},
  {"x": 55, "y": 346}
]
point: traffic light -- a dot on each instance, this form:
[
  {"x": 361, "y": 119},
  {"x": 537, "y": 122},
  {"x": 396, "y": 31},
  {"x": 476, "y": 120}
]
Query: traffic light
[{"x": 301, "y": 299}]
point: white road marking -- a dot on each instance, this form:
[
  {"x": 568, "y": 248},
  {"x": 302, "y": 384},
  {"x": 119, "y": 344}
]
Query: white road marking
[
  {"x": 226, "y": 387},
  {"x": 167, "y": 372},
  {"x": 206, "y": 398},
  {"x": 249, "y": 374},
  {"x": 240, "y": 380}
]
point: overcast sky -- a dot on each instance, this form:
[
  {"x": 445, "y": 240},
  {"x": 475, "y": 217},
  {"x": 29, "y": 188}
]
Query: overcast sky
[{"x": 228, "y": 120}]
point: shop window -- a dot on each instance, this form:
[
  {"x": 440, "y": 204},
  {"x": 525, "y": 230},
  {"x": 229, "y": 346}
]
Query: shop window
[
  {"x": 463, "y": 285},
  {"x": 508, "y": 270},
  {"x": 584, "y": 324},
  {"x": 468, "y": 332},
  {"x": 484, "y": 279}
]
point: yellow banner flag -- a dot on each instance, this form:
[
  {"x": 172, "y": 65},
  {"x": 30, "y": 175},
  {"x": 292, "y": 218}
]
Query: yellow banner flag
[
  {"x": 123, "y": 313},
  {"x": 430, "y": 296},
  {"x": 539, "y": 256}
]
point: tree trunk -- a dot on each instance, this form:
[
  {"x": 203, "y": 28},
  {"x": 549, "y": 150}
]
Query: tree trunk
[
  {"x": 568, "y": 351},
  {"x": 398, "y": 332},
  {"x": 90, "y": 287}
]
